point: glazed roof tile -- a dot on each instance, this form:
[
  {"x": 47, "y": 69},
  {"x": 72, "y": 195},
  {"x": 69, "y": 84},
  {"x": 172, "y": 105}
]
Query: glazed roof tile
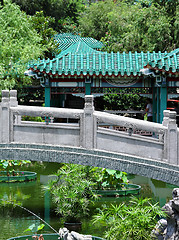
[
  {"x": 65, "y": 40},
  {"x": 168, "y": 63},
  {"x": 77, "y": 47},
  {"x": 79, "y": 56},
  {"x": 96, "y": 63}
]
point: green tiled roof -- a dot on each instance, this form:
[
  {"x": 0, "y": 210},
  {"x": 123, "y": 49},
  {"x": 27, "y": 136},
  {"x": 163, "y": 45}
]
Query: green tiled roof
[
  {"x": 77, "y": 47},
  {"x": 168, "y": 63},
  {"x": 79, "y": 56},
  {"x": 96, "y": 63},
  {"x": 65, "y": 40}
]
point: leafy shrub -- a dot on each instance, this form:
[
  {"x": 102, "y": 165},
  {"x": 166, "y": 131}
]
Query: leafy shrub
[
  {"x": 108, "y": 178},
  {"x": 72, "y": 192},
  {"x": 133, "y": 221}
]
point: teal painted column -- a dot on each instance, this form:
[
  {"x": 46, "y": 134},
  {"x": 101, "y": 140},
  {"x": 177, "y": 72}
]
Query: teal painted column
[
  {"x": 47, "y": 97},
  {"x": 87, "y": 88},
  {"x": 58, "y": 101},
  {"x": 163, "y": 101},
  {"x": 158, "y": 105},
  {"x": 154, "y": 104}
]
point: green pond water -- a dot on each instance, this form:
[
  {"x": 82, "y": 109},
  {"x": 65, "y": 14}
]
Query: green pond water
[{"x": 13, "y": 221}]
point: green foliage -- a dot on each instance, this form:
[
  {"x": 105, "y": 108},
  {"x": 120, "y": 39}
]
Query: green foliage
[
  {"x": 11, "y": 199},
  {"x": 68, "y": 25},
  {"x": 72, "y": 9},
  {"x": 124, "y": 101},
  {"x": 12, "y": 165},
  {"x": 133, "y": 221},
  {"x": 108, "y": 178},
  {"x": 62, "y": 11},
  {"x": 176, "y": 28},
  {"x": 19, "y": 43},
  {"x": 72, "y": 192},
  {"x": 43, "y": 27},
  {"x": 31, "y": 7},
  {"x": 125, "y": 26},
  {"x": 31, "y": 95},
  {"x": 93, "y": 22},
  {"x": 34, "y": 119},
  {"x": 138, "y": 29},
  {"x": 169, "y": 5}
]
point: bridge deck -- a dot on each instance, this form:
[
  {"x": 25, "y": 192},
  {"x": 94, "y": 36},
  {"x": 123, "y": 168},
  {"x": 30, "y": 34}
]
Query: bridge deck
[{"x": 66, "y": 154}]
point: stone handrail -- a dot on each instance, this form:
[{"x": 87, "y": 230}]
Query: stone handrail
[
  {"x": 46, "y": 112},
  {"x": 88, "y": 121},
  {"x": 129, "y": 122}
]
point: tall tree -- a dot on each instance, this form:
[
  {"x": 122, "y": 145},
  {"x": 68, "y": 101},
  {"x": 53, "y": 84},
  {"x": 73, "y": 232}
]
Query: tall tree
[
  {"x": 43, "y": 27},
  {"x": 60, "y": 10},
  {"x": 94, "y": 21},
  {"x": 19, "y": 43},
  {"x": 172, "y": 9},
  {"x": 30, "y": 7},
  {"x": 129, "y": 27}
]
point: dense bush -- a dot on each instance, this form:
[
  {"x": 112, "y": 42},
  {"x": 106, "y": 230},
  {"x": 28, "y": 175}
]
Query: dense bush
[{"x": 128, "y": 222}]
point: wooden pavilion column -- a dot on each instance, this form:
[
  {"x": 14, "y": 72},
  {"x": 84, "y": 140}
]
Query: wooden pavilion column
[
  {"x": 47, "y": 96},
  {"x": 154, "y": 103},
  {"x": 88, "y": 85},
  {"x": 47, "y": 92},
  {"x": 163, "y": 101}
]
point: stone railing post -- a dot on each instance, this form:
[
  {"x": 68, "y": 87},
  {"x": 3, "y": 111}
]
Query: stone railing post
[
  {"x": 14, "y": 103},
  {"x": 165, "y": 117},
  {"x": 5, "y": 104},
  {"x": 165, "y": 124},
  {"x": 172, "y": 139},
  {"x": 88, "y": 123},
  {"x": 13, "y": 118},
  {"x": 13, "y": 98}
]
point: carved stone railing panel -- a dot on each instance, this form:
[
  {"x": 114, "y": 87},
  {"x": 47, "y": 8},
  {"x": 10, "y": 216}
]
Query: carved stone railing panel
[
  {"x": 126, "y": 123},
  {"x": 167, "y": 133}
]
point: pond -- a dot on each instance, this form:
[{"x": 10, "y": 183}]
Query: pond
[{"x": 14, "y": 221}]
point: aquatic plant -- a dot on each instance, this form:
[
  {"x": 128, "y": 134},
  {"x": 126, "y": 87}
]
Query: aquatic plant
[
  {"x": 72, "y": 192},
  {"x": 133, "y": 221},
  {"x": 108, "y": 178},
  {"x": 11, "y": 165}
]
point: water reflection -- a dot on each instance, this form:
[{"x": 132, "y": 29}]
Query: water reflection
[
  {"x": 13, "y": 222},
  {"x": 159, "y": 191}
]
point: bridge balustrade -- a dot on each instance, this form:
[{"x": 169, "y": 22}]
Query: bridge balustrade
[{"x": 89, "y": 131}]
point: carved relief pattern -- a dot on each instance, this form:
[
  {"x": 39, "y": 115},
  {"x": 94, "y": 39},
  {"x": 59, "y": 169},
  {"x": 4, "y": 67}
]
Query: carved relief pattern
[
  {"x": 122, "y": 82},
  {"x": 88, "y": 105},
  {"x": 130, "y": 125},
  {"x": 88, "y": 102},
  {"x": 77, "y": 115}
]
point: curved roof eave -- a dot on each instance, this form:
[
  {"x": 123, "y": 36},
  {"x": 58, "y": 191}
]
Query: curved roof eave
[{"x": 169, "y": 63}]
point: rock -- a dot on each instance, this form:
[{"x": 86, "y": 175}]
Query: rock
[
  {"x": 168, "y": 229},
  {"x": 66, "y": 235}
]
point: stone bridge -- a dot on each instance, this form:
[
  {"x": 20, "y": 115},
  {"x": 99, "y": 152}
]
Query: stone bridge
[{"x": 94, "y": 138}]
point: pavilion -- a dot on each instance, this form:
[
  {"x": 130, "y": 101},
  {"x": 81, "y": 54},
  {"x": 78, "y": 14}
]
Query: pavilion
[{"x": 82, "y": 68}]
